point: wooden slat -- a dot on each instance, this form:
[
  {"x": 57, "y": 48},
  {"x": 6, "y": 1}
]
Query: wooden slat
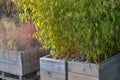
[
  {"x": 25, "y": 57},
  {"x": 37, "y": 56},
  {"x": 77, "y": 76},
  {"x": 48, "y": 75},
  {"x": 110, "y": 69},
  {"x": 7, "y": 76},
  {"x": 26, "y": 69},
  {"x": 25, "y": 62},
  {"x": 82, "y": 71},
  {"x": 31, "y": 60},
  {"x": 10, "y": 60},
  {"x": 83, "y": 68},
  {"x": 32, "y": 55},
  {"x": 53, "y": 65},
  {"x": 52, "y": 69}
]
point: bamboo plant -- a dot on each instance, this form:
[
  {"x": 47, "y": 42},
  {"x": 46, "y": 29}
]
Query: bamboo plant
[{"x": 88, "y": 29}]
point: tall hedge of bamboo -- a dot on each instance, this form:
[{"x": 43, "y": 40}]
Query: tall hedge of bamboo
[{"x": 89, "y": 28}]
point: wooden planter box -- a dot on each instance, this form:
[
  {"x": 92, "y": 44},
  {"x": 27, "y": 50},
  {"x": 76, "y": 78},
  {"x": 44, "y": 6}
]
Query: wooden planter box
[
  {"x": 20, "y": 63},
  {"x": 52, "y": 69}
]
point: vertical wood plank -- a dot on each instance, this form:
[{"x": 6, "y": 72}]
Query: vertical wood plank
[
  {"x": 10, "y": 60},
  {"x": 77, "y": 76},
  {"x": 49, "y": 75},
  {"x": 30, "y": 60},
  {"x": 82, "y": 71},
  {"x": 51, "y": 69}
]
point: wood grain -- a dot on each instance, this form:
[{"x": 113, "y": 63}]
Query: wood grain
[
  {"x": 49, "y": 75},
  {"x": 82, "y": 71},
  {"x": 52, "y": 69},
  {"x": 10, "y": 62},
  {"x": 77, "y": 76}
]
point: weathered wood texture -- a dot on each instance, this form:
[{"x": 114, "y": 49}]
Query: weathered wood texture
[
  {"x": 6, "y": 76},
  {"x": 110, "y": 68},
  {"x": 9, "y": 78},
  {"x": 52, "y": 69},
  {"x": 10, "y": 62},
  {"x": 30, "y": 60},
  {"x": 82, "y": 71},
  {"x": 21, "y": 63}
]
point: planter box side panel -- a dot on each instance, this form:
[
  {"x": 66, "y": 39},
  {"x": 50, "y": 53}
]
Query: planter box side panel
[
  {"x": 10, "y": 62},
  {"x": 51, "y": 69},
  {"x": 110, "y": 69},
  {"x": 82, "y": 71},
  {"x": 30, "y": 60},
  {"x": 47, "y": 75},
  {"x": 77, "y": 76}
]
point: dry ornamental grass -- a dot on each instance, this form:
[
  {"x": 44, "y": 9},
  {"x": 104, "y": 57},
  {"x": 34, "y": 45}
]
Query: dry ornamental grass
[
  {"x": 17, "y": 38},
  {"x": 7, "y": 35}
]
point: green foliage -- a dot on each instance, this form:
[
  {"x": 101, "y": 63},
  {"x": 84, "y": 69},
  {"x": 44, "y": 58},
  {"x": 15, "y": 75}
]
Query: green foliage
[{"x": 71, "y": 26}]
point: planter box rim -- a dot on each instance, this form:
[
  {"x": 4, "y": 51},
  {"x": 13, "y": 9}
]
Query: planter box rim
[
  {"x": 49, "y": 57},
  {"x": 11, "y": 50}
]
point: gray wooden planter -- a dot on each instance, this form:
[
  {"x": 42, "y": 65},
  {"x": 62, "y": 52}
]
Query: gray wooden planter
[
  {"x": 52, "y": 69},
  {"x": 20, "y": 63}
]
